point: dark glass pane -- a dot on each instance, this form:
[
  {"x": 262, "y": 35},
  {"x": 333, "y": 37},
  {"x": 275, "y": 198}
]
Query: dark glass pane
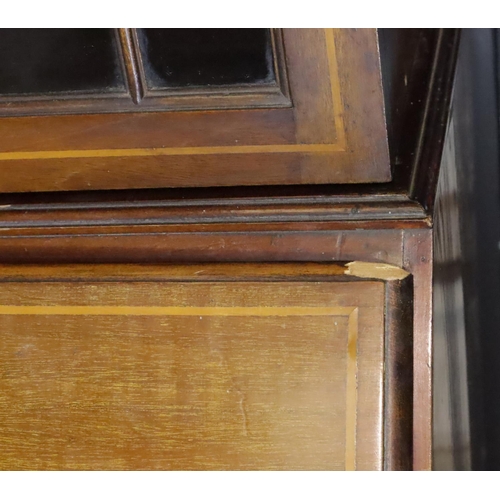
[
  {"x": 37, "y": 61},
  {"x": 198, "y": 57}
]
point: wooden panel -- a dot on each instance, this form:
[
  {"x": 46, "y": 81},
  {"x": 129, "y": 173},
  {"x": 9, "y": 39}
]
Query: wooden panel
[
  {"x": 192, "y": 375},
  {"x": 398, "y": 424},
  {"x": 334, "y": 132},
  {"x": 210, "y": 244},
  {"x": 246, "y": 245},
  {"x": 417, "y": 255}
]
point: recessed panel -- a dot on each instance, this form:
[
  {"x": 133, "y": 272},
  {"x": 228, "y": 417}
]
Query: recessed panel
[
  {"x": 214, "y": 115},
  {"x": 191, "y": 375},
  {"x": 40, "y": 61},
  {"x": 206, "y": 57}
]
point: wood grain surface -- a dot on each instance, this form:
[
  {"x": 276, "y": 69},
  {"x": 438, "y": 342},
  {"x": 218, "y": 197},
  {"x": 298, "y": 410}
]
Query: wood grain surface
[
  {"x": 334, "y": 132},
  {"x": 191, "y": 375},
  {"x": 418, "y": 259},
  {"x": 388, "y": 222}
]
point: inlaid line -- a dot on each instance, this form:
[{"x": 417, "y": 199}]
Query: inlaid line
[
  {"x": 136, "y": 89},
  {"x": 352, "y": 337}
]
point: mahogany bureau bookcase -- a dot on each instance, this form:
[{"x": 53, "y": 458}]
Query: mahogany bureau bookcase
[{"x": 216, "y": 246}]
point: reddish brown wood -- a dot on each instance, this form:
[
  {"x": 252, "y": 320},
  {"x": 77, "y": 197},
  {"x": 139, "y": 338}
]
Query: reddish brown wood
[
  {"x": 256, "y": 246},
  {"x": 207, "y": 369},
  {"x": 388, "y": 222},
  {"x": 418, "y": 260},
  {"x": 334, "y": 132},
  {"x": 398, "y": 434},
  {"x": 306, "y": 211},
  {"x": 407, "y": 69}
]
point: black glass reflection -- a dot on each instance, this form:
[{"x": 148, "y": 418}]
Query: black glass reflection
[
  {"x": 38, "y": 61},
  {"x": 200, "y": 57}
]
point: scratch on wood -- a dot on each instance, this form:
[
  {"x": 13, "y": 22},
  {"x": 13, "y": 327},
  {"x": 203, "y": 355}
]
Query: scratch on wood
[
  {"x": 339, "y": 245},
  {"x": 243, "y": 410}
]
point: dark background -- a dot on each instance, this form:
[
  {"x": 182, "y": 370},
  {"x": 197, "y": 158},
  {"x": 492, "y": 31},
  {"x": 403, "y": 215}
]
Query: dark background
[{"x": 474, "y": 199}]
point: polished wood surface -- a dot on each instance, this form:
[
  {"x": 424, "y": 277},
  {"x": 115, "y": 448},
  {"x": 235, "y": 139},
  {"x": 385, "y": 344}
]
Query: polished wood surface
[
  {"x": 396, "y": 246},
  {"x": 387, "y": 222},
  {"x": 398, "y": 396},
  {"x": 333, "y": 132},
  {"x": 192, "y": 374},
  {"x": 412, "y": 91},
  {"x": 418, "y": 260}
]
